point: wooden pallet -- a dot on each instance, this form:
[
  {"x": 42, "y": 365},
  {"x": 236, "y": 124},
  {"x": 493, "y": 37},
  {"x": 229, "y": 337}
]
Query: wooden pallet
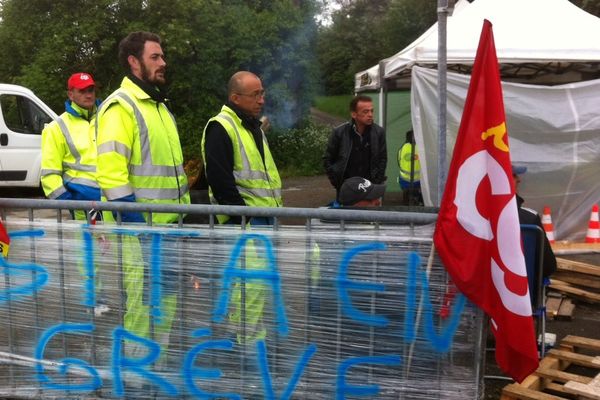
[
  {"x": 566, "y": 247},
  {"x": 577, "y": 279},
  {"x": 552, "y": 381},
  {"x": 559, "y": 306}
]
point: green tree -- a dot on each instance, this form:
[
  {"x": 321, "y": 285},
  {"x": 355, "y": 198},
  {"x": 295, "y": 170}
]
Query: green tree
[
  {"x": 366, "y": 31},
  {"x": 205, "y": 42},
  {"x": 59, "y": 39}
]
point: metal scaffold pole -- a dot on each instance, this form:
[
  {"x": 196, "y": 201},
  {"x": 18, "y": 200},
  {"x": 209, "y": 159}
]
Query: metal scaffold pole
[{"x": 444, "y": 10}]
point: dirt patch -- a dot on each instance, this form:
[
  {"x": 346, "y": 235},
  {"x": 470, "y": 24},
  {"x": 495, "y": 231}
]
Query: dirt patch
[
  {"x": 322, "y": 118},
  {"x": 316, "y": 191},
  {"x": 307, "y": 191}
]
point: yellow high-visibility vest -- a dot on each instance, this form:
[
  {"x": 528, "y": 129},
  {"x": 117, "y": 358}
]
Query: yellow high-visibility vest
[
  {"x": 258, "y": 183},
  {"x": 404, "y": 162},
  {"x": 139, "y": 151},
  {"x": 68, "y": 154}
]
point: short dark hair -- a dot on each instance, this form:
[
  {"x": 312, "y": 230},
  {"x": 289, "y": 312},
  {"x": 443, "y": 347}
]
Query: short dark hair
[
  {"x": 133, "y": 45},
  {"x": 356, "y": 99}
]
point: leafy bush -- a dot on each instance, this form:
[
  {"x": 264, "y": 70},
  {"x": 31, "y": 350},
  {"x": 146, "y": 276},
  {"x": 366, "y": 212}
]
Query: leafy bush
[{"x": 299, "y": 151}]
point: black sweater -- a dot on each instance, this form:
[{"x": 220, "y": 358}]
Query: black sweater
[{"x": 218, "y": 150}]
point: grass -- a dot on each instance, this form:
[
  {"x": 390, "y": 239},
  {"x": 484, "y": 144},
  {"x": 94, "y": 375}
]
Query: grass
[{"x": 334, "y": 105}]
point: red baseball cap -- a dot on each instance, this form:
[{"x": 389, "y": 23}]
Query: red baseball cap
[{"x": 80, "y": 80}]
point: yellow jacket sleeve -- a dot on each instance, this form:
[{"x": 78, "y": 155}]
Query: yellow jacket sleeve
[{"x": 54, "y": 148}]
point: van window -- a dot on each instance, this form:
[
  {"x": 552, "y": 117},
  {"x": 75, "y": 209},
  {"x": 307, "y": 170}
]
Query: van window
[{"x": 22, "y": 115}]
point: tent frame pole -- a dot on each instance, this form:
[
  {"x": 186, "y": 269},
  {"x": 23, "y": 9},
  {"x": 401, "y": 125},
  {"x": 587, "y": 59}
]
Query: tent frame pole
[
  {"x": 382, "y": 96},
  {"x": 444, "y": 10}
]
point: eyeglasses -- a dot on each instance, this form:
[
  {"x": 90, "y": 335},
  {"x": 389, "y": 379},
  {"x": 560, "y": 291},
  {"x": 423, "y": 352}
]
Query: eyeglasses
[{"x": 256, "y": 95}]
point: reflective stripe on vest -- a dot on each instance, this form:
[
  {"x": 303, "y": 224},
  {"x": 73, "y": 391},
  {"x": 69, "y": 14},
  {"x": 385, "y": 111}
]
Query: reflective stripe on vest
[
  {"x": 45, "y": 172},
  {"x": 56, "y": 193},
  {"x": 114, "y": 146},
  {"x": 79, "y": 167},
  {"x": 248, "y": 174},
  {"x": 144, "y": 193},
  {"x": 80, "y": 181},
  {"x": 260, "y": 192},
  {"x": 147, "y": 168},
  {"x": 258, "y": 187},
  {"x": 118, "y": 192},
  {"x": 76, "y": 166}
]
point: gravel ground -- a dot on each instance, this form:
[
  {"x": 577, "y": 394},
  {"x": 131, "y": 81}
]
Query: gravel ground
[{"x": 316, "y": 191}]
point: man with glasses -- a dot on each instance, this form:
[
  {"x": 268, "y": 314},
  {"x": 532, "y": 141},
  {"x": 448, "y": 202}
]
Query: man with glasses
[
  {"x": 240, "y": 171},
  {"x": 239, "y": 167},
  {"x": 357, "y": 147}
]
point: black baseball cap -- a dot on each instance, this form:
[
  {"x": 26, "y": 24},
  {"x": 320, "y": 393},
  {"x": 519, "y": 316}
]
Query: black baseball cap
[
  {"x": 356, "y": 189},
  {"x": 518, "y": 169}
]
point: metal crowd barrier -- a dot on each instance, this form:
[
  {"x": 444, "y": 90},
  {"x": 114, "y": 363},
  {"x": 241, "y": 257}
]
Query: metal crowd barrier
[{"x": 351, "y": 304}]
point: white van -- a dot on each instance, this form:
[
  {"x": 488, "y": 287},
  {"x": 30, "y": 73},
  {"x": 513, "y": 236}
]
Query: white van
[{"x": 23, "y": 116}]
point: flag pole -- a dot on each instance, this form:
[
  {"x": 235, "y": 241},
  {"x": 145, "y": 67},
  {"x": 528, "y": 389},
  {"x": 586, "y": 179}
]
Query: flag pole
[
  {"x": 443, "y": 11},
  {"x": 419, "y": 310}
]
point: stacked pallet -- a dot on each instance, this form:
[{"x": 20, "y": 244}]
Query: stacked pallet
[
  {"x": 554, "y": 379},
  {"x": 572, "y": 279}
]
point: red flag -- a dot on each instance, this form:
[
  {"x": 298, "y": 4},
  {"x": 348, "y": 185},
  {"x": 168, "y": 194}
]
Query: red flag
[
  {"x": 477, "y": 234},
  {"x": 4, "y": 241}
]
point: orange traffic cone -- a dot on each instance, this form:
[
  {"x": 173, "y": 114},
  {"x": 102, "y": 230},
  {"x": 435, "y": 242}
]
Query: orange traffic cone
[
  {"x": 547, "y": 224},
  {"x": 593, "y": 233}
]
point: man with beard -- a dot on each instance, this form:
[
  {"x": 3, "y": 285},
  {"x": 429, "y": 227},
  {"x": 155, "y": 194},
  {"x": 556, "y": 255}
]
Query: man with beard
[
  {"x": 139, "y": 154},
  {"x": 140, "y": 160}
]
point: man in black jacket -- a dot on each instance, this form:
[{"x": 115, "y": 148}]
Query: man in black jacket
[
  {"x": 530, "y": 217},
  {"x": 357, "y": 147}
]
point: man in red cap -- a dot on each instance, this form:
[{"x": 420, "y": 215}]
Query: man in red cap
[
  {"x": 69, "y": 146},
  {"x": 69, "y": 153}
]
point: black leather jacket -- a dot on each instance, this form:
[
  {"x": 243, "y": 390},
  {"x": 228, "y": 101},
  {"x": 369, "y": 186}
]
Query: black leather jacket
[
  {"x": 530, "y": 217},
  {"x": 335, "y": 159}
]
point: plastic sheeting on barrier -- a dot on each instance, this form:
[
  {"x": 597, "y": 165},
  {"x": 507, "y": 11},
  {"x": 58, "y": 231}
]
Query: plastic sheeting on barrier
[{"x": 106, "y": 311}]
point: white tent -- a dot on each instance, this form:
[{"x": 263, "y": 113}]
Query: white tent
[
  {"x": 543, "y": 42},
  {"x": 369, "y": 79},
  {"x": 554, "y": 131},
  {"x": 537, "y": 41}
]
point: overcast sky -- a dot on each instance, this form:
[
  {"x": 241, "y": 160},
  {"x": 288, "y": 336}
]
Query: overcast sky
[{"x": 325, "y": 17}]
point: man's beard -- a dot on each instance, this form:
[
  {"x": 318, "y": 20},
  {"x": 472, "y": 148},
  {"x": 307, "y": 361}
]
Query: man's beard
[{"x": 146, "y": 76}]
